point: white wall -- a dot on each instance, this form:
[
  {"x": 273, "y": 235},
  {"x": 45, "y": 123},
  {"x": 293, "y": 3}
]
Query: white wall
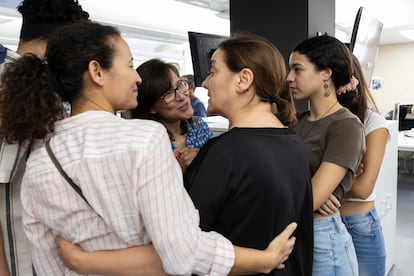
[{"x": 395, "y": 66}]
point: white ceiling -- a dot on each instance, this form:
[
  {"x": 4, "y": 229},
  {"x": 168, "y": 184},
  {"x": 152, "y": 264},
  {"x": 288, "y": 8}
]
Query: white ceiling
[
  {"x": 153, "y": 28},
  {"x": 396, "y": 15},
  {"x": 160, "y": 26}
]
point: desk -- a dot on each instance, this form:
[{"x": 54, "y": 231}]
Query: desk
[{"x": 405, "y": 142}]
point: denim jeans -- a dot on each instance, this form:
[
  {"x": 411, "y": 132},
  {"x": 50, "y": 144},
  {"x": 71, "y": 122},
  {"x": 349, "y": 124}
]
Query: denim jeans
[
  {"x": 333, "y": 252},
  {"x": 366, "y": 232}
]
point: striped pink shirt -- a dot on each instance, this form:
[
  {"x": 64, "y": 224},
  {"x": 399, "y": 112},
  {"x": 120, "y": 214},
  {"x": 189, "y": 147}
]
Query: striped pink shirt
[{"x": 129, "y": 175}]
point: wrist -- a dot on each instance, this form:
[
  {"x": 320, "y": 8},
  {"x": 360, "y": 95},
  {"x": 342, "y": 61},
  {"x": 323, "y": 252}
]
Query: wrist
[
  {"x": 269, "y": 262},
  {"x": 77, "y": 261}
]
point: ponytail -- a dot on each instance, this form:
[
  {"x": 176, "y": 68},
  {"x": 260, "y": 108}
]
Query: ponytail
[
  {"x": 29, "y": 104},
  {"x": 285, "y": 112},
  {"x": 283, "y": 109}
]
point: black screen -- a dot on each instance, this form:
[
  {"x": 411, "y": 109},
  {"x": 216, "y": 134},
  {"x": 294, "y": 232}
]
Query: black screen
[
  {"x": 404, "y": 116},
  {"x": 202, "y": 47}
]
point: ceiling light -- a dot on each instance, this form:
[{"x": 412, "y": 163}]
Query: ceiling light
[
  {"x": 5, "y": 19},
  {"x": 9, "y": 12},
  {"x": 216, "y": 5},
  {"x": 129, "y": 31},
  {"x": 8, "y": 40},
  {"x": 408, "y": 34}
]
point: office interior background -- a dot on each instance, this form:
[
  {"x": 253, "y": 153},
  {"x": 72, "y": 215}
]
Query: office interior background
[{"x": 158, "y": 28}]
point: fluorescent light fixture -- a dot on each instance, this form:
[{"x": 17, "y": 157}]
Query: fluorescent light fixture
[
  {"x": 129, "y": 31},
  {"x": 216, "y": 5},
  {"x": 9, "y": 40},
  {"x": 5, "y": 19},
  {"x": 408, "y": 34},
  {"x": 170, "y": 48},
  {"x": 9, "y": 12}
]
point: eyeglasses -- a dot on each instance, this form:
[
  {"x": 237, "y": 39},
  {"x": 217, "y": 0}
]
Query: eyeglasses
[{"x": 182, "y": 87}]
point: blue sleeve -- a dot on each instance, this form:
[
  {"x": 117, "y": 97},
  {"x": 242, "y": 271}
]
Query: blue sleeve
[
  {"x": 204, "y": 128},
  {"x": 199, "y": 109}
]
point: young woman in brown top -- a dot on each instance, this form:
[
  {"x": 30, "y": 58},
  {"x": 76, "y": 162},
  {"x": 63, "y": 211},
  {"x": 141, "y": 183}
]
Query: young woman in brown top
[{"x": 334, "y": 140}]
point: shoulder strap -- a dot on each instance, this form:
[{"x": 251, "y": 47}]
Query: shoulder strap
[{"x": 62, "y": 172}]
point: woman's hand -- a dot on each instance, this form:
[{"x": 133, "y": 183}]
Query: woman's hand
[
  {"x": 185, "y": 157},
  {"x": 281, "y": 246},
  {"x": 360, "y": 170},
  {"x": 330, "y": 207},
  {"x": 253, "y": 261},
  {"x": 71, "y": 255}
]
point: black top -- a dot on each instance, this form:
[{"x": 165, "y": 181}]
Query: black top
[{"x": 249, "y": 184}]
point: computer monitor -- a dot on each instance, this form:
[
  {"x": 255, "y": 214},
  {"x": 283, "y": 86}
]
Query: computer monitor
[
  {"x": 202, "y": 46},
  {"x": 365, "y": 40},
  {"x": 403, "y": 113}
]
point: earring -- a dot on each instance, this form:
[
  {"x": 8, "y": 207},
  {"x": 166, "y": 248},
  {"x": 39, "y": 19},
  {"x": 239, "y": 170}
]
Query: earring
[{"x": 327, "y": 91}]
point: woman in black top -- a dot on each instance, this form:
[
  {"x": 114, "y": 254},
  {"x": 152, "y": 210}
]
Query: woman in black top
[{"x": 252, "y": 181}]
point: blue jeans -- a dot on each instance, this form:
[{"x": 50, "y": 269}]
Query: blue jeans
[
  {"x": 366, "y": 232},
  {"x": 333, "y": 252}
]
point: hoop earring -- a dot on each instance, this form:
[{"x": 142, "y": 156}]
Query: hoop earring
[{"x": 327, "y": 91}]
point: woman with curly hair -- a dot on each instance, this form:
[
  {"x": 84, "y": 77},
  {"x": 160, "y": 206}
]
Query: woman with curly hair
[{"x": 40, "y": 18}]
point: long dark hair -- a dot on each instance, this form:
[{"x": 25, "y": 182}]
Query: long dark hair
[
  {"x": 327, "y": 52},
  {"x": 245, "y": 50},
  {"x": 32, "y": 89},
  {"x": 357, "y": 101}
]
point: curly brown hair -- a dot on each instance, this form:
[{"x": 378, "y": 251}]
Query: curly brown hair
[
  {"x": 20, "y": 111},
  {"x": 32, "y": 89},
  {"x": 40, "y": 18}
]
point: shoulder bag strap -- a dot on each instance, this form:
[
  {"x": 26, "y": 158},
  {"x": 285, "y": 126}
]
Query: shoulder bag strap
[{"x": 63, "y": 173}]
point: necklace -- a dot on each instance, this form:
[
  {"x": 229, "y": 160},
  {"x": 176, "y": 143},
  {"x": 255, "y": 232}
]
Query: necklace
[
  {"x": 326, "y": 112},
  {"x": 314, "y": 123}
]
